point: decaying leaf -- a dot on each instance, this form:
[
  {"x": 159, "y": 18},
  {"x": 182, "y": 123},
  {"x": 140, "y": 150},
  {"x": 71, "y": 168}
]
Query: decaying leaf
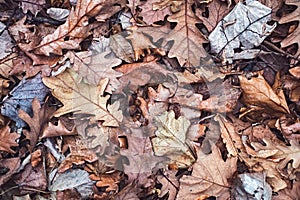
[
  {"x": 153, "y": 14},
  {"x": 243, "y": 25},
  {"x": 32, "y": 5},
  {"x": 74, "y": 178},
  {"x": 170, "y": 140},
  {"x": 9, "y": 166},
  {"x": 209, "y": 176},
  {"x": 8, "y": 139},
  {"x": 6, "y": 42},
  {"x": 79, "y": 97}
]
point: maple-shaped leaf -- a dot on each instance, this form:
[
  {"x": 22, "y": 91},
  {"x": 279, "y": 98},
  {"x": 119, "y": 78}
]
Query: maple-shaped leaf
[
  {"x": 293, "y": 37},
  {"x": 74, "y": 30},
  {"x": 94, "y": 67},
  {"x": 8, "y": 139},
  {"x": 209, "y": 176},
  {"x": 81, "y": 98},
  {"x": 258, "y": 95},
  {"x": 187, "y": 38},
  {"x": 153, "y": 14},
  {"x": 170, "y": 140},
  {"x": 41, "y": 116}
]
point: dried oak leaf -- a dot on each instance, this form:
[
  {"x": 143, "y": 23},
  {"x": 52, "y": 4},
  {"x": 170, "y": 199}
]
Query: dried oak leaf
[
  {"x": 293, "y": 37},
  {"x": 170, "y": 140},
  {"x": 74, "y": 30},
  {"x": 37, "y": 122},
  {"x": 82, "y": 98},
  {"x": 53, "y": 130},
  {"x": 121, "y": 47},
  {"x": 8, "y": 139},
  {"x": 11, "y": 165},
  {"x": 32, "y": 5},
  {"x": 6, "y": 65},
  {"x": 290, "y": 193},
  {"x": 259, "y": 96},
  {"x": 94, "y": 67},
  {"x": 279, "y": 153},
  {"x": 216, "y": 11},
  {"x": 209, "y": 176},
  {"x": 6, "y": 42},
  {"x": 153, "y": 14},
  {"x": 188, "y": 40}
]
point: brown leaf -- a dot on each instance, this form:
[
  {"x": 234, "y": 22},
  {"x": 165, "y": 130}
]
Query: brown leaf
[
  {"x": 40, "y": 118},
  {"x": 294, "y": 37},
  {"x": 187, "y": 38},
  {"x": 6, "y": 65},
  {"x": 289, "y": 193},
  {"x": 258, "y": 95},
  {"x": 57, "y": 130},
  {"x": 8, "y": 139},
  {"x": 32, "y": 5},
  {"x": 82, "y": 98},
  {"x": 153, "y": 14},
  {"x": 216, "y": 11},
  {"x": 10, "y": 164},
  {"x": 295, "y": 72},
  {"x": 209, "y": 176},
  {"x": 94, "y": 67},
  {"x": 74, "y": 30}
]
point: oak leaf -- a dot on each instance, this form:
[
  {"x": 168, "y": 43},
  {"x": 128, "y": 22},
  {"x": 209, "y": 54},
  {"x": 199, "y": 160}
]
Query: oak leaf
[
  {"x": 170, "y": 140},
  {"x": 8, "y": 139},
  {"x": 6, "y": 42},
  {"x": 187, "y": 38},
  {"x": 209, "y": 176},
  {"x": 151, "y": 14},
  {"x": 82, "y": 98},
  {"x": 11, "y": 165},
  {"x": 37, "y": 122},
  {"x": 258, "y": 95},
  {"x": 74, "y": 30},
  {"x": 94, "y": 67},
  {"x": 293, "y": 37}
]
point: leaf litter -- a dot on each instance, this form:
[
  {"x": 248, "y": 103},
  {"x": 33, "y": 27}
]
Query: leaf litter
[{"x": 149, "y": 99}]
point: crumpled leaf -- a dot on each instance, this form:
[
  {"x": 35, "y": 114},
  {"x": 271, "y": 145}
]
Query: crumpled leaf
[
  {"x": 59, "y": 14},
  {"x": 22, "y": 96},
  {"x": 8, "y": 139},
  {"x": 252, "y": 186},
  {"x": 74, "y": 178},
  {"x": 245, "y": 24},
  {"x": 293, "y": 37},
  {"x": 5, "y": 41},
  {"x": 74, "y": 30},
  {"x": 121, "y": 47},
  {"x": 209, "y": 176},
  {"x": 258, "y": 95},
  {"x": 94, "y": 67},
  {"x": 81, "y": 98},
  {"x": 170, "y": 140}
]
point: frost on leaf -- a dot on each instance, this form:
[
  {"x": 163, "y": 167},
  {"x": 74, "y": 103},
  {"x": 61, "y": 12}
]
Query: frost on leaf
[
  {"x": 170, "y": 140},
  {"x": 245, "y": 25},
  {"x": 81, "y": 98}
]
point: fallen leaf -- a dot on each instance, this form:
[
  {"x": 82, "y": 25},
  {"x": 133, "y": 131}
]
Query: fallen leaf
[
  {"x": 52, "y": 130},
  {"x": 11, "y": 165},
  {"x": 94, "y": 67},
  {"x": 37, "y": 122},
  {"x": 151, "y": 14},
  {"x": 74, "y": 178},
  {"x": 6, "y": 42},
  {"x": 121, "y": 47},
  {"x": 33, "y": 6},
  {"x": 170, "y": 140},
  {"x": 209, "y": 176},
  {"x": 22, "y": 96},
  {"x": 258, "y": 95},
  {"x": 8, "y": 139},
  {"x": 293, "y": 37},
  {"x": 81, "y": 98}
]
